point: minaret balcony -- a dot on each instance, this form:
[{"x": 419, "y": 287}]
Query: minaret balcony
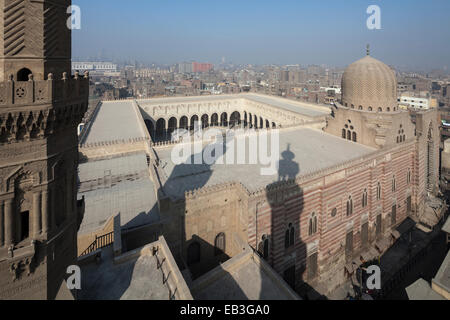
[{"x": 24, "y": 93}]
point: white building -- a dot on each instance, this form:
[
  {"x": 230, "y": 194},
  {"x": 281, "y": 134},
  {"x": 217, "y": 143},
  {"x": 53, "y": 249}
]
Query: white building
[
  {"x": 94, "y": 67},
  {"x": 418, "y": 102}
]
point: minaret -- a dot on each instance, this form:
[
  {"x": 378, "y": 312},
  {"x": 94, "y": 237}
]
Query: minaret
[{"x": 41, "y": 104}]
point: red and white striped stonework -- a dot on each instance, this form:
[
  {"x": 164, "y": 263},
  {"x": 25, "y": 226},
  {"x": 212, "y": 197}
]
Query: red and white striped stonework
[{"x": 320, "y": 194}]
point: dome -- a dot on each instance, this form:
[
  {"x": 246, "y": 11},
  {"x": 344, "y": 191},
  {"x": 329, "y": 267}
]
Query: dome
[{"x": 370, "y": 85}]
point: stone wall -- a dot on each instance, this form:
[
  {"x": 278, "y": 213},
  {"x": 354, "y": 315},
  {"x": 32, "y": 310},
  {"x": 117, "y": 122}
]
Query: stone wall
[
  {"x": 374, "y": 129},
  {"x": 232, "y": 209}
]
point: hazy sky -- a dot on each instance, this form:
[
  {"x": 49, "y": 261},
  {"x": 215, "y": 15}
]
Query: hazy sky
[{"x": 415, "y": 34}]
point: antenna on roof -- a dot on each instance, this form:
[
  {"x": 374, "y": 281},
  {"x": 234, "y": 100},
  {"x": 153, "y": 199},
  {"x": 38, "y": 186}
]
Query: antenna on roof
[{"x": 368, "y": 49}]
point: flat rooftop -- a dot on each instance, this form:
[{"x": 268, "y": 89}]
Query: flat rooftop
[
  {"x": 243, "y": 277},
  {"x": 304, "y": 108},
  {"x": 124, "y": 165},
  {"x": 421, "y": 290},
  {"x": 114, "y": 121},
  {"x": 119, "y": 185},
  {"x": 442, "y": 278},
  {"x": 307, "y": 109},
  {"x": 302, "y": 151},
  {"x": 135, "y": 279}
]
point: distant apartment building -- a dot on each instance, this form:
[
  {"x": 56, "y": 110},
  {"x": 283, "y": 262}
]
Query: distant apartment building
[
  {"x": 417, "y": 101},
  {"x": 201, "y": 67},
  {"x": 284, "y": 76},
  {"x": 194, "y": 67},
  {"x": 95, "y": 67},
  {"x": 445, "y": 94},
  {"x": 414, "y": 83},
  {"x": 404, "y": 87},
  {"x": 185, "y": 67},
  {"x": 293, "y": 76},
  {"x": 150, "y": 72}
]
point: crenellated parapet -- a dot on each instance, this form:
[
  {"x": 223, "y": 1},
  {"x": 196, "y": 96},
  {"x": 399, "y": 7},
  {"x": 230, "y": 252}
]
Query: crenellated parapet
[
  {"x": 102, "y": 144},
  {"x": 191, "y": 194},
  {"x": 33, "y": 109},
  {"x": 69, "y": 89}
]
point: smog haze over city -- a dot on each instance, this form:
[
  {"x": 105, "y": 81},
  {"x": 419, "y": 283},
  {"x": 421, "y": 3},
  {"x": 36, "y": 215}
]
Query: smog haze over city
[{"x": 413, "y": 36}]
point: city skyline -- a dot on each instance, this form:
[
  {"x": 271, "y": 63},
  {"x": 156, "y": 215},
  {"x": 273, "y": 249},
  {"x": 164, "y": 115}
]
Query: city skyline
[
  {"x": 273, "y": 151},
  {"x": 264, "y": 33}
]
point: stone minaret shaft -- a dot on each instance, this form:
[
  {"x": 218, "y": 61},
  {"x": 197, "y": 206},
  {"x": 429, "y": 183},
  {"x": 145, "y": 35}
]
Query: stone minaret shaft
[{"x": 41, "y": 104}]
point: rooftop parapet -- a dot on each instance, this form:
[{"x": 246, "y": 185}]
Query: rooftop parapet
[
  {"x": 56, "y": 105},
  {"x": 23, "y": 93}
]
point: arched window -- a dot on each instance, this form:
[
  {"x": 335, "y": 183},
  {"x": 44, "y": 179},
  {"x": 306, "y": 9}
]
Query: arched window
[
  {"x": 408, "y": 176},
  {"x": 172, "y": 126},
  {"x": 194, "y": 122},
  {"x": 394, "y": 184},
  {"x": 349, "y": 135},
  {"x": 205, "y": 121},
  {"x": 378, "y": 191},
  {"x": 312, "y": 224},
  {"x": 265, "y": 249},
  {"x": 401, "y": 137},
  {"x": 333, "y": 212},
  {"x": 349, "y": 206},
  {"x": 354, "y": 136},
  {"x": 235, "y": 119},
  {"x": 364, "y": 198},
  {"x": 193, "y": 254},
  {"x": 360, "y": 107},
  {"x": 224, "y": 119},
  {"x": 370, "y": 108},
  {"x": 289, "y": 236},
  {"x": 219, "y": 244},
  {"x": 184, "y": 122},
  {"x": 344, "y": 133},
  {"x": 23, "y": 74},
  {"x": 380, "y": 110},
  {"x": 214, "y": 119},
  {"x": 286, "y": 239},
  {"x": 150, "y": 127},
  {"x": 161, "y": 129}
]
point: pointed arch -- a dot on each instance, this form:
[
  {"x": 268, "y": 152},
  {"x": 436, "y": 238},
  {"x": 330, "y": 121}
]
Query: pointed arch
[{"x": 219, "y": 244}]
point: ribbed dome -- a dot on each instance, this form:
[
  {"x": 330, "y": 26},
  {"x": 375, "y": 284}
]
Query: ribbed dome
[{"x": 370, "y": 85}]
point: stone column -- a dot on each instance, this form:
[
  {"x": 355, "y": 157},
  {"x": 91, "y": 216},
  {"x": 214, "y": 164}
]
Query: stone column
[
  {"x": 9, "y": 223},
  {"x": 2, "y": 214},
  {"x": 45, "y": 213},
  {"x": 36, "y": 214}
]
